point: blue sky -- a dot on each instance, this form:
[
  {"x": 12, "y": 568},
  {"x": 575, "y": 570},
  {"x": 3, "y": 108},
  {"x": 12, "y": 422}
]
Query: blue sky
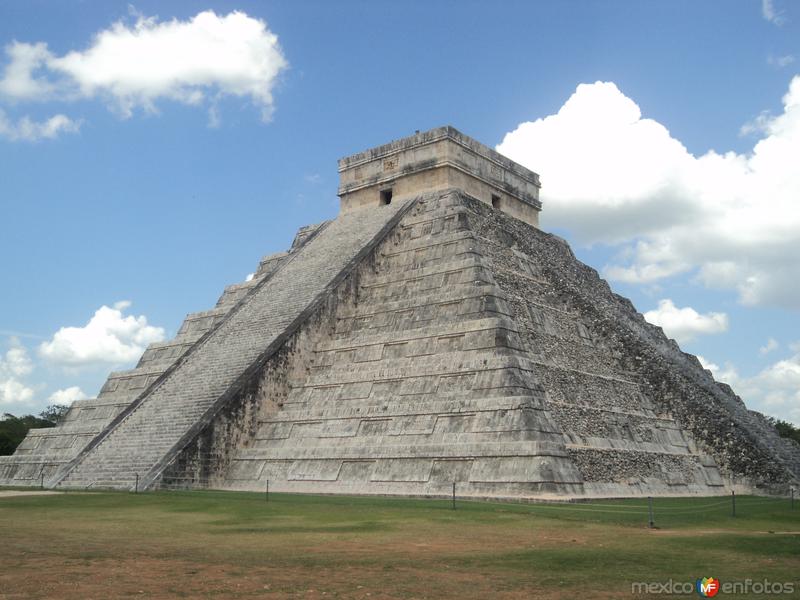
[{"x": 151, "y": 153}]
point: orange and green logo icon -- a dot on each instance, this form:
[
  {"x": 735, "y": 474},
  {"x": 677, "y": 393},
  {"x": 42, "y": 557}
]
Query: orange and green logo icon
[{"x": 707, "y": 587}]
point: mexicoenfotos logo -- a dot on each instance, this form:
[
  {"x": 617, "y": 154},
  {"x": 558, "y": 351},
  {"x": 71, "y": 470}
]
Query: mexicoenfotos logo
[{"x": 707, "y": 587}]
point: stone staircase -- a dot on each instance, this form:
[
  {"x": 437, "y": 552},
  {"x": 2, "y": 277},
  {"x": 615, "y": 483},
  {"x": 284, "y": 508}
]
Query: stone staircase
[
  {"x": 250, "y": 321},
  {"x": 420, "y": 386},
  {"x": 44, "y": 452}
]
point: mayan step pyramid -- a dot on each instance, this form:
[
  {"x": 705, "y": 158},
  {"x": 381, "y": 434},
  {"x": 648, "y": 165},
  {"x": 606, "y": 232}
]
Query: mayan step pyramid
[{"x": 429, "y": 335}]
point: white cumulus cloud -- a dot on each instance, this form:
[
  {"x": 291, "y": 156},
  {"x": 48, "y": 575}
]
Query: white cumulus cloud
[
  {"x": 197, "y": 62},
  {"x": 611, "y": 176},
  {"x": 728, "y": 374},
  {"x": 13, "y": 391},
  {"x": 20, "y": 79},
  {"x": 28, "y": 130},
  {"x": 67, "y": 396},
  {"x": 778, "y": 388},
  {"x": 15, "y": 364},
  {"x": 685, "y": 324},
  {"x": 109, "y": 337},
  {"x": 773, "y": 391}
]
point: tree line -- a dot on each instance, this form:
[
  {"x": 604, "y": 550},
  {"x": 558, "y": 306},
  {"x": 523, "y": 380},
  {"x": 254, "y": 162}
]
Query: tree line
[
  {"x": 14, "y": 429},
  {"x": 785, "y": 430}
]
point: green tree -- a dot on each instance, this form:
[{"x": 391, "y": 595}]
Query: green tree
[
  {"x": 54, "y": 413},
  {"x": 14, "y": 429},
  {"x": 788, "y": 430},
  {"x": 785, "y": 429}
]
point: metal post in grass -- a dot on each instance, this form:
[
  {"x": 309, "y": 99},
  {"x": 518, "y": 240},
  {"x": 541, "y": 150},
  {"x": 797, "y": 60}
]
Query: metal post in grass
[
  {"x": 733, "y": 503},
  {"x": 454, "y": 495},
  {"x": 41, "y": 485},
  {"x": 791, "y": 498},
  {"x": 267, "y": 494},
  {"x": 136, "y": 486},
  {"x": 651, "y": 522}
]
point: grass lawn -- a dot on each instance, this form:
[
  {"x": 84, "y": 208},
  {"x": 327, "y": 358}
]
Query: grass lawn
[{"x": 236, "y": 545}]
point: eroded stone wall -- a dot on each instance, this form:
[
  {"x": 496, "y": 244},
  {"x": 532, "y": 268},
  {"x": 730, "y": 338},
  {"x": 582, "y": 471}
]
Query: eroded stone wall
[{"x": 599, "y": 357}]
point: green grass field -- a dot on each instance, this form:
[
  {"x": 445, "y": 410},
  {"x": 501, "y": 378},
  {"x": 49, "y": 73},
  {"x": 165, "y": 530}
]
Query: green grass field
[{"x": 236, "y": 545}]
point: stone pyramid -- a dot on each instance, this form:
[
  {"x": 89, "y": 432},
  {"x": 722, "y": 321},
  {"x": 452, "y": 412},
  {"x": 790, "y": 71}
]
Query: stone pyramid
[{"x": 429, "y": 335}]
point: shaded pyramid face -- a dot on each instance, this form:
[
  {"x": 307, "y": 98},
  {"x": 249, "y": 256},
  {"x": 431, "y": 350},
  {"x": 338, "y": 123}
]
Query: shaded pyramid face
[{"x": 400, "y": 349}]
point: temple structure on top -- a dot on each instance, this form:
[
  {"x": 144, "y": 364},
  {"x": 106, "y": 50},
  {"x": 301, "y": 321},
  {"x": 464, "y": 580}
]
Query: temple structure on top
[
  {"x": 431, "y": 334},
  {"x": 438, "y": 159}
]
